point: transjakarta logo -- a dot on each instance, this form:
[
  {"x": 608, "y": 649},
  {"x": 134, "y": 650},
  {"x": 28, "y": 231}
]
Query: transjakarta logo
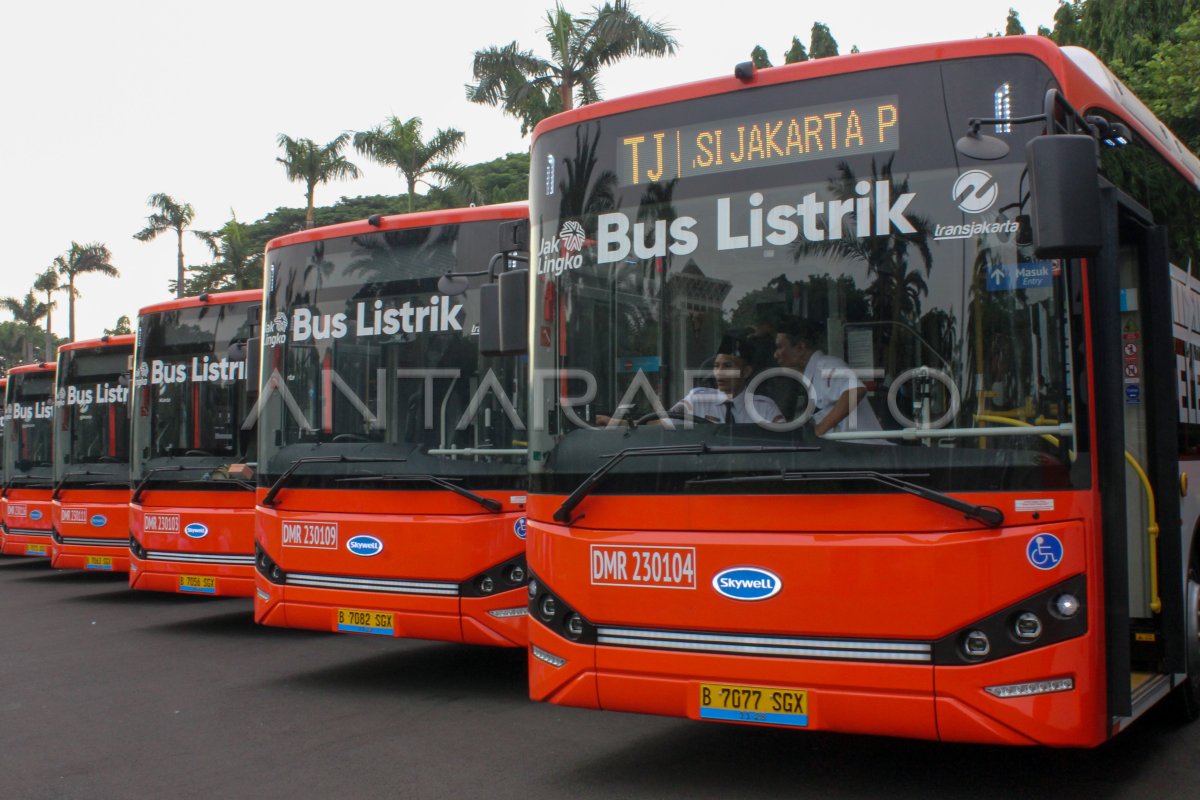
[
  {"x": 975, "y": 191},
  {"x": 196, "y": 530},
  {"x": 99, "y": 521},
  {"x": 747, "y": 583},
  {"x": 557, "y": 255},
  {"x": 275, "y": 331},
  {"x": 364, "y": 545},
  {"x": 374, "y": 319},
  {"x": 749, "y": 224}
]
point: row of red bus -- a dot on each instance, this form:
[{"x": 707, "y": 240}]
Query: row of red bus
[{"x": 855, "y": 395}]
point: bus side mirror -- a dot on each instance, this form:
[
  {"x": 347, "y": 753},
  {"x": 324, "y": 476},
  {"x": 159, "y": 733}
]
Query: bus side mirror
[
  {"x": 504, "y": 315},
  {"x": 514, "y": 311},
  {"x": 514, "y": 236},
  {"x": 1064, "y": 185},
  {"x": 253, "y": 363}
]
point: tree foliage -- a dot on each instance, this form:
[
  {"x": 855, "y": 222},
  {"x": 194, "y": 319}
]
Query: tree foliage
[
  {"x": 1012, "y": 25},
  {"x": 82, "y": 259},
  {"x": 399, "y": 144},
  {"x": 531, "y": 88},
  {"x": 169, "y": 215},
  {"x": 822, "y": 44},
  {"x": 311, "y": 164}
]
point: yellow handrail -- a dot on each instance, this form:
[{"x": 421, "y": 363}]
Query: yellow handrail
[{"x": 1151, "y": 510}]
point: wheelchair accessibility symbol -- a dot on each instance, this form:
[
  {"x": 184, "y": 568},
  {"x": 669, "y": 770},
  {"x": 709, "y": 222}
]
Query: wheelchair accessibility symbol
[
  {"x": 519, "y": 527},
  {"x": 1044, "y": 551}
]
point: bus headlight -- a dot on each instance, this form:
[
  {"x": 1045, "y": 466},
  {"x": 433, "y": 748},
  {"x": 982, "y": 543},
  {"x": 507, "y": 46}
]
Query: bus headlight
[{"x": 1067, "y": 605}]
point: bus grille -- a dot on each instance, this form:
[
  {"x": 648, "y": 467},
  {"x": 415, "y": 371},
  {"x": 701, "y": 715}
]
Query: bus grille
[
  {"x": 772, "y": 646},
  {"x": 201, "y": 558},
  {"x": 26, "y": 532},
  {"x": 372, "y": 584},
  {"x": 84, "y": 541}
]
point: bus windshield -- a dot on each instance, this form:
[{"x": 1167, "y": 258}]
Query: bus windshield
[
  {"x": 28, "y": 435},
  {"x": 364, "y": 359},
  {"x": 192, "y": 404},
  {"x": 728, "y": 269},
  {"x": 91, "y": 442}
]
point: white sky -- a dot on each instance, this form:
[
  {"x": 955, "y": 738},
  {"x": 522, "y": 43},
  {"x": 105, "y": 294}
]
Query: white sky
[{"x": 105, "y": 104}]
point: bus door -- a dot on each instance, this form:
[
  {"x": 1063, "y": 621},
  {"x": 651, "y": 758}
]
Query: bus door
[{"x": 1138, "y": 473}]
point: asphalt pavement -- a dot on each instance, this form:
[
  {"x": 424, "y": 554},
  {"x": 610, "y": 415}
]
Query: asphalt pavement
[{"x": 107, "y": 693}]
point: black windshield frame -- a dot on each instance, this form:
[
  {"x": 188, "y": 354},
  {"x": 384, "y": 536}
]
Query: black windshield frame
[
  {"x": 91, "y": 415},
  {"x": 193, "y": 400},
  {"x": 593, "y": 181},
  {"x": 363, "y": 357},
  {"x": 28, "y": 440}
]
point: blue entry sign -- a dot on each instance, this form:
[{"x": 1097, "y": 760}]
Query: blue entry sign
[{"x": 1133, "y": 394}]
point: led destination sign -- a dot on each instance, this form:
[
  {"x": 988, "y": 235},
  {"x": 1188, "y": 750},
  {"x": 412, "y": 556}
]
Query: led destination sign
[{"x": 778, "y": 138}]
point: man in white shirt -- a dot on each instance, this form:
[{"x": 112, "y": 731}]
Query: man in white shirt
[
  {"x": 728, "y": 402},
  {"x": 837, "y": 393}
]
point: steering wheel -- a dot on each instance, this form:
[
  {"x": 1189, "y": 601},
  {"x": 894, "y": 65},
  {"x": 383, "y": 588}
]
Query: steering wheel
[
  {"x": 197, "y": 453},
  {"x": 349, "y": 437},
  {"x": 680, "y": 416}
]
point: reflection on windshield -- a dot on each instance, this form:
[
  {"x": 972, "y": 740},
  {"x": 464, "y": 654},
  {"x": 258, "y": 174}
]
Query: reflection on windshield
[
  {"x": 92, "y": 415},
  {"x": 887, "y": 305},
  {"x": 28, "y": 411},
  {"x": 364, "y": 358},
  {"x": 192, "y": 389}
]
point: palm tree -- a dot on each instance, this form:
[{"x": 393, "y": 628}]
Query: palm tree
[
  {"x": 531, "y": 88},
  {"x": 236, "y": 264},
  {"x": 48, "y": 282},
  {"x": 398, "y": 144},
  {"x": 169, "y": 215},
  {"x": 82, "y": 259},
  {"x": 28, "y": 312},
  {"x": 305, "y": 161}
]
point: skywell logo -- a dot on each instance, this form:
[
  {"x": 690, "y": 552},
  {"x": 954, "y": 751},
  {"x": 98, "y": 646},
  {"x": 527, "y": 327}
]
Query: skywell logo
[
  {"x": 364, "y": 545},
  {"x": 747, "y": 583}
]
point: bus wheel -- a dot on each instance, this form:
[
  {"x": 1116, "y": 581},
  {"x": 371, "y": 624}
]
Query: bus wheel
[{"x": 1188, "y": 701}]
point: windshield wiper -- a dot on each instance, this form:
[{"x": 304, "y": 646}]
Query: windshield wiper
[
  {"x": 281, "y": 481},
  {"x": 563, "y": 514},
  {"x": 486, "y": 502},
  {"x": 149, "y": 476},
  {"x": 988, "y": 515},
  {"x": 58, "y": 487}
]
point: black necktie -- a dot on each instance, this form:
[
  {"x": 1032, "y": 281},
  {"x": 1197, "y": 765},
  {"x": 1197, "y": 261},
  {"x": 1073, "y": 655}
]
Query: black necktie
[{"x": 728, "y": 406}]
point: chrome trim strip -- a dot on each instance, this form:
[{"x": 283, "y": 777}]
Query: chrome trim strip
[
  {"x": 372, "y": 584},
  {"x": 86, "y": 542},
  {"x": 778, "y": 646},
  {"x": 200, "y": 558},
  {"x": 27, "y": 532}
]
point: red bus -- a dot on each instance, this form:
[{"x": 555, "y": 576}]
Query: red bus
[
  {"x": 3, "y": 428},
  {"x": 882, "y": 423},
  {"x": 90, "y": 512},
  {"x": 28, "y": 460},
  {"x": 391, "y": 455},
  {"x": 191, "y": 513}
]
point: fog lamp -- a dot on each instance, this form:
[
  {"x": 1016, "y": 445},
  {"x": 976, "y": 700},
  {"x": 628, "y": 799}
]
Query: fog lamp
[
  {"x": 1027, "y": 627},
  {"x": 976, "y": 644}
]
